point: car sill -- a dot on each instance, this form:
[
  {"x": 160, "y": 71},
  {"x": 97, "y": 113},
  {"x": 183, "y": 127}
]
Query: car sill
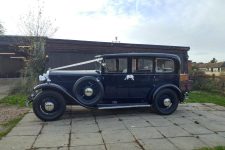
[{"x": 124, "y": 106}]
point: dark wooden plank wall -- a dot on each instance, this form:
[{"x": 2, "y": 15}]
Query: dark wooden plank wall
[{"x": 65, "y": 52}]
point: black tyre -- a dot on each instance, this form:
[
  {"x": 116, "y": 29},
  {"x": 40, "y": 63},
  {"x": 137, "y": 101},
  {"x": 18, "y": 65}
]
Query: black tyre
[
  {"x": 165, "y": 102},
  {"x": 49, "y": 105},
  {"x": 88, "y": 90}
]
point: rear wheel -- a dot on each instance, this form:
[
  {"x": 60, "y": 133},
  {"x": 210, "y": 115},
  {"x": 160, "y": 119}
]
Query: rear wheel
[
  {"x": 49, "y": 105},
  {"x": 165, "y": 102},
  {"x": 88, "y": 90}
]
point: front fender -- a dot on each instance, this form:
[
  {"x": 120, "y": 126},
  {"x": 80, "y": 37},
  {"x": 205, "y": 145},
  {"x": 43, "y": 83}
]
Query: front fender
[
  {"x": 58, "y": 88},
  {"x": 171, "y": 86}
]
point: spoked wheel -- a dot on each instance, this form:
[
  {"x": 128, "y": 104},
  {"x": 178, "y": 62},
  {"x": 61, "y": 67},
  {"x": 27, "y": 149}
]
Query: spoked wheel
[
  {"x": 88, "y": 90},
  {"x": 165, "y": 102},
  {"x": 49, "y": 105}
]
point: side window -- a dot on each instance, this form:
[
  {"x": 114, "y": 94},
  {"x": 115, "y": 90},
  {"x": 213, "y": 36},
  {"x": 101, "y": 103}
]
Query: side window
[
  {"x": 142, "y": 65},
  {"x": 164, "y": 65},
  {"x": 122, "y": 65},
  {"x": 114, "y": 65},
  {"x": 110, "y": 65}
]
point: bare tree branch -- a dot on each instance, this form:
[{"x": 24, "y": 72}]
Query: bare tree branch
[{"x": 2, "y": 30}]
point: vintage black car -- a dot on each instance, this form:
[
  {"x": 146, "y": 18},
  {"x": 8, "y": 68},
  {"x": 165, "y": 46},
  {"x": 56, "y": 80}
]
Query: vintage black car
[{"x": 123, "y": 80}]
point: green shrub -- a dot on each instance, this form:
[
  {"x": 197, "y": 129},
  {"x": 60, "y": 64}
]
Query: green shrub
[{"x": 208, "y": 83}]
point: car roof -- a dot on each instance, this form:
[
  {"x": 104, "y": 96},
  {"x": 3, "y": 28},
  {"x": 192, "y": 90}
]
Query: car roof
[{"x": 164, "y": 55}]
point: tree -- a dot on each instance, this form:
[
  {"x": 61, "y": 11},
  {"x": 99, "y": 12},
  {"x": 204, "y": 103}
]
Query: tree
[
  {"x": 36, "y": 27},
  {"x": 213, "y": 60},
  {"x": 2, "y": 30}
]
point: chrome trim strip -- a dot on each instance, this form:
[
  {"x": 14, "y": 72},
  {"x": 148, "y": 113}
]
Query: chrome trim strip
[{"x": 127, "y": 106}]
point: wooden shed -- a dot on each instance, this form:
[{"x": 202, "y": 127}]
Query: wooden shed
[
  {"x": 60, "y": 52},
  {"x": 64, "y": 52}
]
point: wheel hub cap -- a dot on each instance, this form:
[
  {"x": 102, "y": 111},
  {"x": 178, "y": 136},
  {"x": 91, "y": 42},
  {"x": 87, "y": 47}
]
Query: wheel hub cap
[
  {"x": 167, "y": 102},
  {"x": 88, "y": 91},
  {"x": 49, "y": 106}
]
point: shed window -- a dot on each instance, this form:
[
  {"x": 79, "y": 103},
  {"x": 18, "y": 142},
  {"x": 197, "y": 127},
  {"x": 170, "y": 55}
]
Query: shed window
[{"x": 164, "y": 65}]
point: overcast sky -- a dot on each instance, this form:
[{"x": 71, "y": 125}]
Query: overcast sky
[{"x": 199, "y": 24}]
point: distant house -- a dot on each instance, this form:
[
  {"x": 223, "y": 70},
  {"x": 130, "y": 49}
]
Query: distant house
[{"x": 212, "y": 68}]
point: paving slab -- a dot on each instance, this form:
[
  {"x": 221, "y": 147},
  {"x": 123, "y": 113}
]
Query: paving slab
[
  {"x": 146, "y": 133},
  {"x": 220, "y": 113},
  {"x": 221, "y": 108},
  {"x": 86, "y": 147},
  {"x": 86, "y": 139},
  {"x": 172, "y": 131},
  {"x": 221, "y": 134},
  {"x": 213, "y": 140},
  {"x": 191, "y": 126},
  {"x": 187, "y": 143},
  {"x": 195, "y": 129},
  {"x": 113, "y": 124},
  {"x": 180, "y": 121},
  {"x": 136, "y": 123},
  {"x": 17, "y": 142},
  {"x": 52, "y": 148},
  {"x": 123, "y": 146},
  {"x": 60, "y": 122},
  {"x": 25, "y": 130},
  {"x": 215, "y": 126},
  {"x": 52, "y": 140},
  {"x": 117, "y": 136},
  {"x": 160, "y": 122},
  {"x": 85, "y": 128},
  {"x": 157, "y": 144},
  {"x": 51, "y": 129}
]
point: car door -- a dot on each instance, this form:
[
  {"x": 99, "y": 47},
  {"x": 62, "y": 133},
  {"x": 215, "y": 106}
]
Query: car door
[
  {"x": 166, "y": 72},
  {"x": 114, "y": 74},
  {"x": 143, "y": 78}
]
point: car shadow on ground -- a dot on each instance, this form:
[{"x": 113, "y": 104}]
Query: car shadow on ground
[{"x": 77, "y": 111}]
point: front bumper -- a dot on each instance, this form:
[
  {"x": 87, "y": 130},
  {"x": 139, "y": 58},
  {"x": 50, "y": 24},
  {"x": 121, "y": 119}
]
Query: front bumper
[
  {"x": 31, "y": 98},
  {"x": 186, "y": 96}
]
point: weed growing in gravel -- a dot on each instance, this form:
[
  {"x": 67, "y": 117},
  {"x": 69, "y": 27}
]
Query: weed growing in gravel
[
  {"x": 17, "y": 99},
  {"x": 7, "y": 127}
]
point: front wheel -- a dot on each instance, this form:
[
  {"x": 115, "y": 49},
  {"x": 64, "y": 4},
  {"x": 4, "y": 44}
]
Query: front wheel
[
  {"x": 49, "y": 105},
  {"x": 165, "y": 102}
]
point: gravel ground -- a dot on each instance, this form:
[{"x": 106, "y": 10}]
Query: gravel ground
[{"x": 10, "y": 112}]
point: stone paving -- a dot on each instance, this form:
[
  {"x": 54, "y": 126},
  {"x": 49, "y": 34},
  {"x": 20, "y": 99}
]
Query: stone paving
[{"x": 191, "y": 126}]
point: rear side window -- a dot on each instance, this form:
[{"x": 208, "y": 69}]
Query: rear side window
[
  {"x": 164, "y": 65},
  {"x": 142, "y": 65},
  {"x": 116, "y": 65}
]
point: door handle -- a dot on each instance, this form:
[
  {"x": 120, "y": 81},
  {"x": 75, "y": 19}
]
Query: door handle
[{"x": 129, "y": 77}]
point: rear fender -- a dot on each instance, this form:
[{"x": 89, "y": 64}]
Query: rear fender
[
  {"x": 169, "y": 86},
  {"x": 60, "y": 89}
]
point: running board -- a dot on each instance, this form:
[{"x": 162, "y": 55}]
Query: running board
[{"x": 113, "y": 106}]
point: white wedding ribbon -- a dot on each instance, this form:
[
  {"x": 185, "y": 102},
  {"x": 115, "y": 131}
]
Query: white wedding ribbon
[{"x": 78, "y": 64}]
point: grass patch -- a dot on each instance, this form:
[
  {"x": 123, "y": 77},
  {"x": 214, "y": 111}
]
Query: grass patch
[
  {"x": 16, "y": 99},
  {"x": 7, "y": 127},
  {"x": 213, "y": 148},
  {"x": 206, "y": 97}
]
